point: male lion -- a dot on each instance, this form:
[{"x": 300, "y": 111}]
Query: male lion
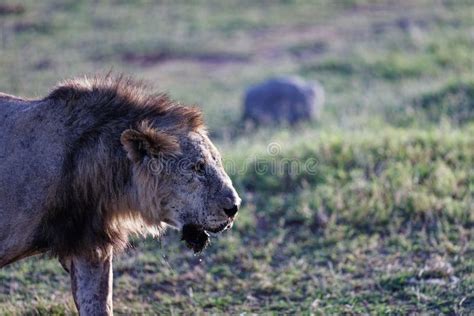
[{"x": 97, "y": 160}]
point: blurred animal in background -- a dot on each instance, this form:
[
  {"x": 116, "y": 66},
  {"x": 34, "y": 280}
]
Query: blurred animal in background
[
  {"x": 283, "y": 100},
  {"x": 99, "y": 159}
]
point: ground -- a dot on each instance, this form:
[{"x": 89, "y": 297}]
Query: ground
[{"x": 378, "y": 215}]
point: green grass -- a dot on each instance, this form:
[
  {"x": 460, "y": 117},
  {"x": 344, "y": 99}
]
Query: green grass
[
  {"x": 368, "y": 211},
  {"x": 356, "y": 234}
]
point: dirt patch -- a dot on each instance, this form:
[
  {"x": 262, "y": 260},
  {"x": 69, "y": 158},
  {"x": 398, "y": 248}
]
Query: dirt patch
[
  {"x": 13, "y": 9},
  {"x": 306, "y": 50},
  {"x": 158, "y": 57},
  {"x": 32, "y": 26},
  {"x": 43, "y": 64}
]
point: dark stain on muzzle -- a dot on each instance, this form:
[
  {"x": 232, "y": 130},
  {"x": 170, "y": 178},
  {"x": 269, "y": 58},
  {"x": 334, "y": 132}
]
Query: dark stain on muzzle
[{"x": 195, "y": 237}]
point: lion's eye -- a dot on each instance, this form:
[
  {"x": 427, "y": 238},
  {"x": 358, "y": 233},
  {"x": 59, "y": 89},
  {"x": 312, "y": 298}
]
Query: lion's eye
[{"x": 199, "y": 167}]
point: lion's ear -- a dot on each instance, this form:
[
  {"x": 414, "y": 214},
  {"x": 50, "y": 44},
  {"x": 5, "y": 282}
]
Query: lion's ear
[{"x": 147, "y": 141}]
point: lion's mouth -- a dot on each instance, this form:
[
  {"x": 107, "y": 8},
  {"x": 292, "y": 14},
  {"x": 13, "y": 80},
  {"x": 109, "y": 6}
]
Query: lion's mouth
[
  {"x": 197, "y": 238},
  {"x": 220, "y": 228}
]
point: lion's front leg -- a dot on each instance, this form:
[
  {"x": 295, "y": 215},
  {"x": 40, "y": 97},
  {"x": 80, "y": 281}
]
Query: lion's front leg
[{"x": 91, "y": 282}]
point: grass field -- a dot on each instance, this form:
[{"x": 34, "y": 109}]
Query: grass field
[{"x": 377, "y": 217}]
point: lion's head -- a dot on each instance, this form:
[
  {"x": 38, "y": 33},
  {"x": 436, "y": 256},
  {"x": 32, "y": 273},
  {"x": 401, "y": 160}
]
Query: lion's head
[
  {"x": 134, "y": 162},
  {"x": 180, "y": 180}
]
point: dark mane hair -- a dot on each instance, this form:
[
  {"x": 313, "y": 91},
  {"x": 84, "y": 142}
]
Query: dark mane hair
[
  {"x": 95, "y": 171},
  {"x": 113, "y": 96}
]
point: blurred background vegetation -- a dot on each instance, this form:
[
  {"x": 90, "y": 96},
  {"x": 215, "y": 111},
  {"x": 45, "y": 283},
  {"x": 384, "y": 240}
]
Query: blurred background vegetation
[{"x": 384, "y": 226}]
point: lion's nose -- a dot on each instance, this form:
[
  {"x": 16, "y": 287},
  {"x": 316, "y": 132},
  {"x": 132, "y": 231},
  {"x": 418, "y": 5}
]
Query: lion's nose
[{"x": 231, "y": 211}]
